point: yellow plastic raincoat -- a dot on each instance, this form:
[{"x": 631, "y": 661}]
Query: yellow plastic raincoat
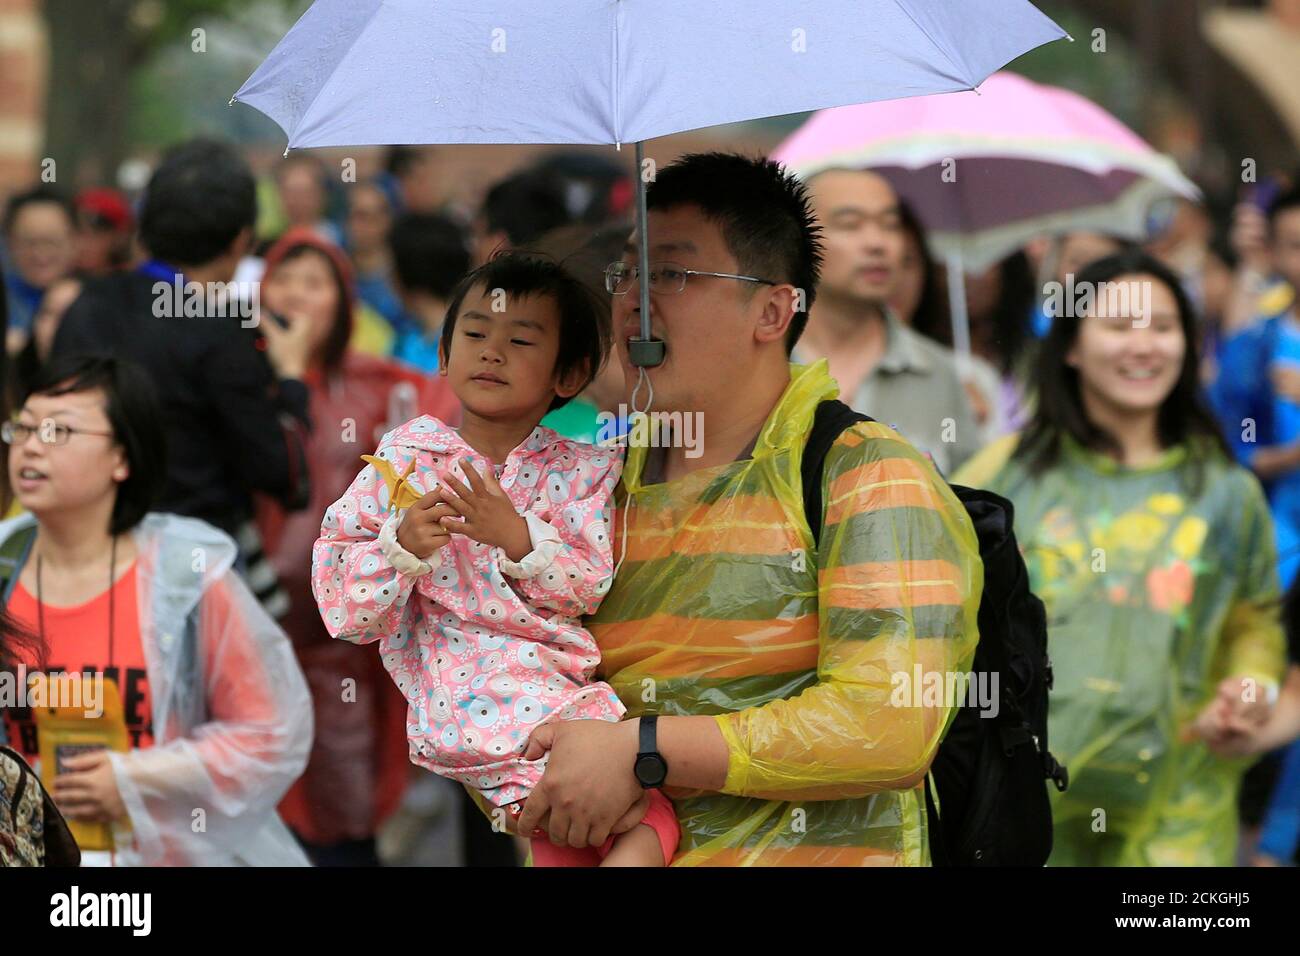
[
  {"x": 723, "y": 607},
  {"x": 1159, "y": 582}
]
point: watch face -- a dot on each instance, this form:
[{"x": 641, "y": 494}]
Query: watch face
[{"x": 651, "y": 770}]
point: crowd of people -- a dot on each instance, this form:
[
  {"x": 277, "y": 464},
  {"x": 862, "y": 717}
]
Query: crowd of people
[{"x": 186, "y": 487}]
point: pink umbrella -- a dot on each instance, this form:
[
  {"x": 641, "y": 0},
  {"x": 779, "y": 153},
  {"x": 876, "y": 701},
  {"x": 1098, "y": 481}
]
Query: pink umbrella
[{"x": 988, "y": 171}]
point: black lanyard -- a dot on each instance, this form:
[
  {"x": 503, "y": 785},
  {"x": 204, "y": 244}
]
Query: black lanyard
[{"x": 112, "y": 588}]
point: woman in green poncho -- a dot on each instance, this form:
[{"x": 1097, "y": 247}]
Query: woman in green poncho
[{"x": 1154, "y": 554}]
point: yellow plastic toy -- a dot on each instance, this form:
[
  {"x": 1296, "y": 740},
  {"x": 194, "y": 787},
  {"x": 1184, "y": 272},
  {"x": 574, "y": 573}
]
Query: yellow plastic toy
[{"x": 401, "y": 494}]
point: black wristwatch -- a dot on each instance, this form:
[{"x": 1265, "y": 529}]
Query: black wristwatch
[{"x": 650, "y": 768}]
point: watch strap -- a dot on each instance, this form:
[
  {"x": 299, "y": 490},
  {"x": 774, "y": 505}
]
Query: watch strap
[{"x": 648, "y": 735}]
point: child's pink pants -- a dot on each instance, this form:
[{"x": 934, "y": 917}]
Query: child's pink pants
[{"x": 660, "y": 817}]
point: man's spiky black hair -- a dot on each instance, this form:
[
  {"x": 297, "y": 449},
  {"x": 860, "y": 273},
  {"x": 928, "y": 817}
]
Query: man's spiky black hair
[{"x": 764, "y": 213}]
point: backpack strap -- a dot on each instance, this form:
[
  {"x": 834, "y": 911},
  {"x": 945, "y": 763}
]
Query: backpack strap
[
  {"x": 13, "y": 555},
  {"x": 831, "y": 420}
]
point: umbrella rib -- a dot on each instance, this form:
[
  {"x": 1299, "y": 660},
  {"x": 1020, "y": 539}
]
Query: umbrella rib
[
  {"x": 329, "y": 79},
  {"x": 960, "y": 73}
]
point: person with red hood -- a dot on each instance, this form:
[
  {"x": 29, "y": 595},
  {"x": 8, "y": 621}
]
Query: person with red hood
[
  {"x": 358, "y": 766},
  {"x": 104, "y": 225}
]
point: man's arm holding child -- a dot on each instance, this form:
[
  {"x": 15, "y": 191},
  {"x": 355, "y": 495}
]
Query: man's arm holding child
[
  {"x": 899, "y": 586},
  {"x": 899, "y": 582}
]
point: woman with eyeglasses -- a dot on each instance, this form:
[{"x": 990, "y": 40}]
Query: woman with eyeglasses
[
  {"x": 1153, "y": 552},
  {"x": 216, "y": 711}
]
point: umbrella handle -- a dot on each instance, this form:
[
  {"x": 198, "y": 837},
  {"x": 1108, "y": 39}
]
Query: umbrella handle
[{"x": 643, "y": 351}]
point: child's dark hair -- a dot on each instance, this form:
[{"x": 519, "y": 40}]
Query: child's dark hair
[
  {"x": 584, "y": 329},
  {"x": 133, "y": 413}
]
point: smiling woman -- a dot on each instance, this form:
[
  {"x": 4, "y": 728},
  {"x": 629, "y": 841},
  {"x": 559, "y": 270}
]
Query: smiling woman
[
  {"x": 108, "y": 588},
  {"x": 1153, "y": 553}
]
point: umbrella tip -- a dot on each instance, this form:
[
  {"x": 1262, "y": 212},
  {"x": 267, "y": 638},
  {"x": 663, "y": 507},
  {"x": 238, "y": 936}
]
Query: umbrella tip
[
  {"x": 1070, "y": 38},
  {"x": 232, "y": 100},
  {"x": 618, "y": 146},
  {"x": 286, "y": 152}
]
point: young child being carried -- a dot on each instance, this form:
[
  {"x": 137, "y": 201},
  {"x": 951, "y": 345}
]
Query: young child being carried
[{"x": 474, "y": 585}]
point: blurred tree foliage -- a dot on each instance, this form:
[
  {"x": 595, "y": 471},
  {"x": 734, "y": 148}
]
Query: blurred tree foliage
[{"x": 96, "y": 50}]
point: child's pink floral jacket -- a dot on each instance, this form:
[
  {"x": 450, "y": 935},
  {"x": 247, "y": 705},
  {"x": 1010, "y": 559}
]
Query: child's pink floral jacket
[{"x": 485, "y": 649}]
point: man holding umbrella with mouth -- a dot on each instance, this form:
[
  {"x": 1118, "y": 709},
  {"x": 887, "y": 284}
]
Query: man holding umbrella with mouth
[
  {"x": 768, "y": 652},
  {"x": 756, "y": 665}
]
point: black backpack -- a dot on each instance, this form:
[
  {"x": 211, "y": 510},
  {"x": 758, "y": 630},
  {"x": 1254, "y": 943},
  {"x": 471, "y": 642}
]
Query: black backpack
[{"x": 988, "y": 772}]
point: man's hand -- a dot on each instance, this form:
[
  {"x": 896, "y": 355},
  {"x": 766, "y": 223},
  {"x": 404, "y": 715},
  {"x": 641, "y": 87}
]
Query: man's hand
[
  {"x": 589, "y": 788},
  {"x": 1242, "y": 715},
  {"x": 421, "y": 531},
  {"x": 485, "y": 513},
  {"x": 1268, "y": 463},
  {"x": 90, "y": 791},
  {"x": 1230, "y": 723}
]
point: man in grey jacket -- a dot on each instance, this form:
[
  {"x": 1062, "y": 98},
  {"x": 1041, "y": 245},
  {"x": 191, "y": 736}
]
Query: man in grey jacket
[{"x": 884, "y": 369}]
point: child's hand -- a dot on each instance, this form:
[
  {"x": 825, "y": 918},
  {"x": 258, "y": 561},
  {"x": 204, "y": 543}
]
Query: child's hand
[
  {"x": 421, "y": 531},
  {"x": 485, "y": 513}
]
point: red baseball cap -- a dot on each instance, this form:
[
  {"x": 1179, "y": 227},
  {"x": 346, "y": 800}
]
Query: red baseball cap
[{"x": 108, "y": 206}]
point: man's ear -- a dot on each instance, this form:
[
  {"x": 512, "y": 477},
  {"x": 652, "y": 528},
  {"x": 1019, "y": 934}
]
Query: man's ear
[{"x": 778, "y": 313}]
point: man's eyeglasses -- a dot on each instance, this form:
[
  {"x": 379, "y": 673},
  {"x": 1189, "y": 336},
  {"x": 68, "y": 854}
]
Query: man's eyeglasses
[
  {"x": 666, "y": 278},
  {"x": 49, "y": 432}
]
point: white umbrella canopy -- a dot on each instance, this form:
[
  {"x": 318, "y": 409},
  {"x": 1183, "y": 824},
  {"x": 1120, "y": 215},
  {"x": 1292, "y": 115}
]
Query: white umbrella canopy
[{"x": 378, "y": 72}]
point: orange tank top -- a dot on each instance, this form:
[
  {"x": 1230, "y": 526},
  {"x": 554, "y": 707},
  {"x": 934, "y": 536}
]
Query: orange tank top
[{"x": 77, "y": 640}]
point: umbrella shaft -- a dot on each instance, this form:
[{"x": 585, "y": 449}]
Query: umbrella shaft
[
  {"x": 957, "y": 305},
  {"x": 642, "y": 244}
]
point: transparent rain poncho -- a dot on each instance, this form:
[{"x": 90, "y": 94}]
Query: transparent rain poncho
[
  {"x": 232, "y": 719},
  {"x": 723, "y": 607},
  {"x": 1159, "y": 582}
]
